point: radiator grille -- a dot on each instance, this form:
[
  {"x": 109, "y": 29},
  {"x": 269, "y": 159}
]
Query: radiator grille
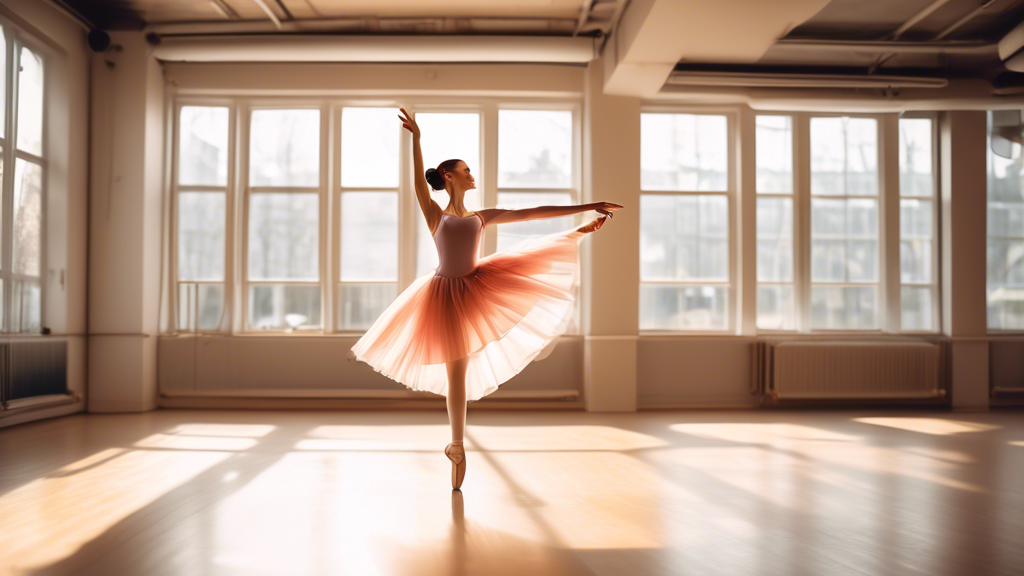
[
  {"x": 33, "y": 369},
  {"x": 823, "y": 370}
]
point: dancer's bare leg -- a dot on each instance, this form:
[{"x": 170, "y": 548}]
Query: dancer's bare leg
[{"x": 457, "y": 397}]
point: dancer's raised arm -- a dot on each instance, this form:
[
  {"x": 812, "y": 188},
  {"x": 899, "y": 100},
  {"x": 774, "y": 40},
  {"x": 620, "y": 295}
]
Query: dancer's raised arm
[
  {"x": 431, "y": 211},
  {"x": 499, "y": 216}
]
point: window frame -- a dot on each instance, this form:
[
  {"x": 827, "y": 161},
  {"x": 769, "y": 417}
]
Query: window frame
[
  {"x": 234, "y": 318},
  {"x": 889, "y": 282},
  {"x": 733, "y": 310},
  {"x": 936, "y": 199},
  {"x": 16, "y": 40},
  {"x": 229, "y": 190},
  {"x": 996, "y": 332}
]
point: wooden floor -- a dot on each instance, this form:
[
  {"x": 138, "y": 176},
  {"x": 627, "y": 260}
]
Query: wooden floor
[{"x": 203, "y": 492}]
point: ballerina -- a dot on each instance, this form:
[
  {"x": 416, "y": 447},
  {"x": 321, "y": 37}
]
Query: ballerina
[{"x": 472, "y": 324}]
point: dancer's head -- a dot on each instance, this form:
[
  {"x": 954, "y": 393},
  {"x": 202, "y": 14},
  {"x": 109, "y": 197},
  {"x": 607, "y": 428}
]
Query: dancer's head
[{"x": 452, "y": 176}]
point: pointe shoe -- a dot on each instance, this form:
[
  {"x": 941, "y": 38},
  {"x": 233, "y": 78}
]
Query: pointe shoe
[{"x": 456, "y": 452}]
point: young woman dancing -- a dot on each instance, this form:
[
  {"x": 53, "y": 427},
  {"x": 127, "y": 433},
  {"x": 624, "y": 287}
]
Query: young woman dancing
[{"x": 472, "y": 324}]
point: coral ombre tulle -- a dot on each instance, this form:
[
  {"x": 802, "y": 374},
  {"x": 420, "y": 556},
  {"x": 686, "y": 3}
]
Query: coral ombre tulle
[{"x": 503, "y": 311}]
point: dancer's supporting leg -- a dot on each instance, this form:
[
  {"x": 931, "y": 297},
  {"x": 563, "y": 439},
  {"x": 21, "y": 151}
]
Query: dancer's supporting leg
[{"x": 457, "y": 397}]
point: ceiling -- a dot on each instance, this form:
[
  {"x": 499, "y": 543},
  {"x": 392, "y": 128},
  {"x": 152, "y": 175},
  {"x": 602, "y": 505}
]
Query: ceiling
[{"x": 949, "y": 38}]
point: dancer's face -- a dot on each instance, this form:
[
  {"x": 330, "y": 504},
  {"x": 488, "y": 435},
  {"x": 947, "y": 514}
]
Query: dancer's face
[{"x": 461, "y": 178}]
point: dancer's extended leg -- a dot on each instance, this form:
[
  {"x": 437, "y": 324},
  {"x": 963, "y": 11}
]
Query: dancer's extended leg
[{"x": 457, "y": 397}]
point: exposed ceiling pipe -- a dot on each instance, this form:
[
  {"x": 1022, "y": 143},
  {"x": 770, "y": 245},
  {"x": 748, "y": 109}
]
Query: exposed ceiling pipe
[
  {"x": 883, "y": 47},
  {"x": 801, "y": 80},
  {"x": 967, "y": 17},
  {"x": 559, "y": 26},
  {"x": 369, "y": 48}
]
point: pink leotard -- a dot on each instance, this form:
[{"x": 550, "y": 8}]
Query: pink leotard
[{"x": 458, "y": 244}]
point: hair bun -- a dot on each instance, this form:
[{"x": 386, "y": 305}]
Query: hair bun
[{"x": 435, "y": 179}]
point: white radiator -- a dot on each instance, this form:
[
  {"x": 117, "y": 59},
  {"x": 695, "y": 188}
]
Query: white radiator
[{"x": 825, "y": 370}]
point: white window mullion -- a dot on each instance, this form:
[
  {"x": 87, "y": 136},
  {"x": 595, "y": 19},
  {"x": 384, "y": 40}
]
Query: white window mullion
[
  {"x": 742, "y": 292},
  {"x": 802, "y": 220},
  {"x": 889, "y": 216},
  {"x": 241, "y": 263},
  {"x": 489, "y": 157},
  {"x": 328, "y": 224}
]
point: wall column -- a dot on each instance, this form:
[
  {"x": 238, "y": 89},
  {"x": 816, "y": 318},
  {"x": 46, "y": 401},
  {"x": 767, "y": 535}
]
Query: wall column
[
  {"x": 611, "y": 256},
  {"x": 126, "y": 188},
  {"x": 964, "y": 272}
]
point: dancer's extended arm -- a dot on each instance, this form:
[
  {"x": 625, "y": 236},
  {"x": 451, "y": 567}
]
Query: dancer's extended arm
[
  {"x": 500, "y": 216},
  {"x": 431, "y": 211}
]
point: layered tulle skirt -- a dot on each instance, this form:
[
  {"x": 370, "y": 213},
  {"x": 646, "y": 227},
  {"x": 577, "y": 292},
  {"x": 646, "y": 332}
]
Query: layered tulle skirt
[{"x": 503, "y": 315}]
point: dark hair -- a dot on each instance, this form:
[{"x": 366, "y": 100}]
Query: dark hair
[{"x": 435, "y": 177}]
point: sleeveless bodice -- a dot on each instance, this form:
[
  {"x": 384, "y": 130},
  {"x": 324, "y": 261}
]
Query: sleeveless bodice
[{"x": 458, "y": 244}]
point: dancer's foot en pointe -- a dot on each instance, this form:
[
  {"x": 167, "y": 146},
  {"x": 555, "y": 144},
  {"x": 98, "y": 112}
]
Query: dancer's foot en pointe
[{"x": 457, "y": 454}]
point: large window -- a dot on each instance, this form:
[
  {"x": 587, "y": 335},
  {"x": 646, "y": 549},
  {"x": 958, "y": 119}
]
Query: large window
[
  {"x": 821, "y": 204},
  {"x": 685, "y": 167},
  {"x": 319, "y": 218},
  {"x": 22, "y": 169},
  {"x": 1005, "y": 230}
]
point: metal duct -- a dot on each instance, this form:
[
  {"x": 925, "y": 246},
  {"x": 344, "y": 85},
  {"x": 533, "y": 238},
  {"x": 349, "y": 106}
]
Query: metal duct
[{"x": 366, "y": 48}]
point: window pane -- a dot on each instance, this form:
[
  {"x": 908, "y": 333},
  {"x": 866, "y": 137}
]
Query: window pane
[
  {"x": 774, "y": 154},
  {"x": 535, "y": 148},
  {"x": 916, "y": 219},
  {"x": 277, "y": 307},
  {"x": 203, "y": 146},
  {"x": 26, "y": 306},
  {"x": 28, "y": 217},
  {"x": 370, "y": 146},
  {"x": 1005, "y": 219},
  {"x": 842, "y": 307},
  {"x": 684, "y": 237},
  {"x": 844, "y": 240},
  {"x": 915, "y": 241},
  {"x": 509, "y": 234},
  {"x": 284, "y": 148},
  {"x": 775, "y": 310},
  {"x": 207, "y": 306},
  {"x": 683, "y": 307},
  {"x": 916, "y": 157},
  {"x": 369, "y": 236},
  {"x": 1005, "y": 239},
  {"x": 684, "y": 152},
  {"x": 201, "y": 221},
  {"x": 284, "y": 234},
  {"x": 30, "y": 103},
  {"x": 916, "y": 261},
  {"x": 916, "y": 309},
  {"x": 774, "y": 239},
  {"x": 446, "y": 136},
  {"x": 844, "y": 156},
  {"x": 359, "y": 305}
]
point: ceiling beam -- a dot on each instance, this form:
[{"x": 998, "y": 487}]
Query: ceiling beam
[{"x": 655, "y": 35}]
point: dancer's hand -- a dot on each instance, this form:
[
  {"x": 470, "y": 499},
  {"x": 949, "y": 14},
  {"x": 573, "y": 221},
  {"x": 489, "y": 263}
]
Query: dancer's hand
[
  {"x": 593, "y": 225},
  {"x": 409, "y": 122},
  {"x": 607, "y": 208}
]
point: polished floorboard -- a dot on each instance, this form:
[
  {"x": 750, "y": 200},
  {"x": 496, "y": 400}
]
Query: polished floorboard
[{"x": 209, "y": 492}]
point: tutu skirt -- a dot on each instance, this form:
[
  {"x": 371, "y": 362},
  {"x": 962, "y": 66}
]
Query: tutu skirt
[{"x": 506, "y": 313}]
